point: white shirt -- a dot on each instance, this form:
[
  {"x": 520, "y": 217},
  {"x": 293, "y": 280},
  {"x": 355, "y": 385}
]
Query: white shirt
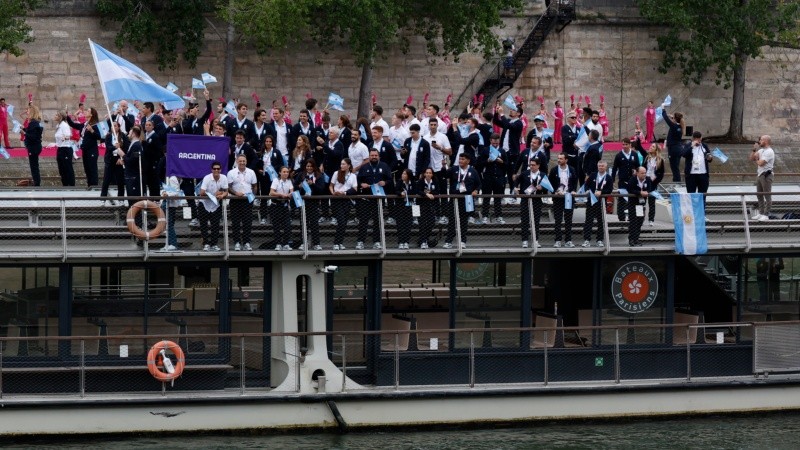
[
  {"x": 380, "y": 123},
  {"x": 437, "y": 157},
  {"x": 507, "y": 134},
  {"x": 358, "y": 153},
  {"x": 425, "y": 129},
  {"x": 282, "y": 142},
  {"x": 63, "y": 135},
  {"x": 407, "y": 124},
  {"x": 397, "y": 136},
  {"x": 698, "y": 163},
  {"x": 282, "y": 186},
  {"x": 349, "y": 182},
  {"x": 242, "y": 181},
  {"x": 768, "y": 155},
  {"x": 594, "y": 126},
  {"x": 563, "y": 179},
  {"x": 212, "y": 186},
  {"x": 412, "y": 155}
]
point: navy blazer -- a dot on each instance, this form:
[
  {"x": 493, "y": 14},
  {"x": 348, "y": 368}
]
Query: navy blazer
[
  {"x": 687, "y": 153},
  {"x": 194, "y": 125},
  {"x": 624, "y": 167},
  {"x": 492, "y": 169},
  {"x": 109, "y": 158},
  {"x": 472, "y": 181},
  {"x": 524, "y": 182},
  {"x": 259, "y": 137},
  {"x": 131, "y": 159},
  {"x": 635, "y": 191},
  {"x": 316, "y": 182},
  {"x": 605, "y": 184},
  {"x": 568, "y": 138},
  {"x": 332, "y": 157},
  {"x": 470, "y": 143},
  {"x": 513, "y": 129},
  {"x": 674, "y": 131},
  {"x": 572, "y": 179},
  {"x": 89, "y": 139},
  {"x": 423, "y": 160},
  {"x": 388, "y": 155},
  {"x": 232, "y": 126},
  {"x": 249, "y": 153},
  {"x": 297, "y": 131},
  {"x": 373, "y": 174},
  {"x": 592, "y": 157},
  {"x": 637, "y": 144},
  {"x": 33, "y": 137},
  {"x": 275, "y": 160},
  {"x": 523, "y": 162}
]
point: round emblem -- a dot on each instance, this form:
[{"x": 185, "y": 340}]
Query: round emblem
[
  {"x": 470, "y": 271},
  {"x": 634, "y": 287}
]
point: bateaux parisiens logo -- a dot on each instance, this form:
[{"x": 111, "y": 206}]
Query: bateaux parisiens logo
[{"x": 634, "y": 287}]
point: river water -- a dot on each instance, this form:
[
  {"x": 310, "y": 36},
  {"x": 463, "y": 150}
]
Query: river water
[{"x": 765, "y": 431}]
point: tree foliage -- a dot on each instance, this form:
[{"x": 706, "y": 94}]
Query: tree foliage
[
  {"x": 167, "y": 28},
  {"x": 13, "y": 29},
  {"x": 267, "y": 24},
  {"x": 712, "y": 35}
]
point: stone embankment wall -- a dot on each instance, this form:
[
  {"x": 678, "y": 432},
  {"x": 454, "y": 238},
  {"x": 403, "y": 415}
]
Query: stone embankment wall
[{"x": 608, "y": 50}]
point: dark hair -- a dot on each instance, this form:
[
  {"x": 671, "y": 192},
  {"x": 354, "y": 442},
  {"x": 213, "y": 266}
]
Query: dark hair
[
  {"x": 464, "y": 116},
  {"x": 137, "y": 130},
  {"x": 305, "y": 111},
  {"x": 258, "y": 113},
  {"x": 594, "y": 134},
  {"x": 311, "y": 103},
  {"x": 435, "y": 107},
  {"x": 216, "y": 163},
  {"x": 412, "y": 108},
  {"x": 378, "y": 109},
  {"x": 238, "y": 106},
  {"x": 414, "y": 127},
  {"x": 339, "y": 174},
  {"x": 594, "y": 111},
  {"x": 625, "y": 140},
  {"x": 379, "y": 128},
  {"x": 433, "y": 120},
  {"x": 218, "y": 123},
  {"x": 408, "y": 173},
  {"x": 240, "y": 133},
  {"x": 149, "y": 105},
  {"x": 488, "y": 115},
  {"x": 697, "y": 135},
  {"x": 345, "y": 120},
  {"x": 474, "y": 121},
  {"x": 494, "y": 136}
]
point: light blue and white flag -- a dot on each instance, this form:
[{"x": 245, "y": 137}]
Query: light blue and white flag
[
  {"x": 510, "y": 103},
  {"x": 197, "y": 84},
  {"x": 10, "y": 110},
  {"x": 377, "y": 189},
  {"x": 121, "y": 80},
  {"x": 250, "y": 197},
  {"x": 547, "y": 133},
  {"x": 335, "y": 101},
  {"x": 17, "y": 126},
  {"x": 657, "y": 195},
  {"x": 582, "y": 141},
  {"x": 298, "y": 200},
  {"x": 306, "y": 187},
  {"x": 567, "y": 201},
  {"x": 592, "y": 198},
  {"x": 658, "y": 114},
  {"x": 720, "y": 155},
  {"x": 668, "y": 100},
  {"x": 545, "y": 183},
  {"x": 230, "y": 108},
  {"x": 4, "y": 152},
  {"x": 689, "y": 218},
  {"x": 469, "y": 204},
  {"x": 171, "y": 87},
  {"x": 494, "y": 153},
  {"x": 102, "y": 127},
  {"x": 208, "y": 78},
  {"x": 131, "y": 109}
]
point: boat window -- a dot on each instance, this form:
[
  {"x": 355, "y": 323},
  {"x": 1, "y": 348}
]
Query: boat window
[
  {"x": 29, "y": 307},
  {"x": 771, "y": 289},
  {"x": 349, "y": 312}
]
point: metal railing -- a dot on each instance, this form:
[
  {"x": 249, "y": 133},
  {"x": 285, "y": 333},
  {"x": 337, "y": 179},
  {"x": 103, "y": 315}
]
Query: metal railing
[
  {"x": 237, "y": 364},
  {"x": 75, "y": 228}
]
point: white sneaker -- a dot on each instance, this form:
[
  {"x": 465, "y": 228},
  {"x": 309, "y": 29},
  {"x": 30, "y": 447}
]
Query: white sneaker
[
  {"x": 194, "y": 223},
  {"x": 376, "y": 246},
  {"x": 278, "y": 248},
  {"x": 237, "y": 247},
  {"x": 600, "y": 244},
  {"x": 263, "y": 221},
  {"x": 443, "y": 220},
  {"x": 247, "y": 247},
  {"x": 317, "y": 247},
  {"x": 206, "y": 248},
  {"x": 499, "y": 221},
  {"x": 216, "y": 248},
  {"x": 415, "y": 222},
  {"x": 585, "y": 244},
  {"x": 424, "y": 245},
  {"x": 569, "y": 244},
  {"x": 651, "y": 223},
  {"x": 336, "y": 246},
  {"x": 287, "y": 247},
  {"x": 334, "y": 222},
  {"x": 359, "y": 245},
  {"x": 321, "y": 220},
  {"x": 342, "y": 247},
  {"x": 472, "y": 220},
  {"x": 538, "y": 245},
  {"x": 485, "y": 221},
  {"x": 447, "y": 245},
  {"x": 756, "y": 216},
  {"x": 168, "y": 248},
  {"x": 400, "y": 246},
  {"x": 524, "y": 244},
  {"x": 390, "y": 221},
  {"x": 763, "y": 218},
  {"x": 463, "y": 245},
  {"x": 557, "y": 244},
  {"x": 352, "y": 222}
]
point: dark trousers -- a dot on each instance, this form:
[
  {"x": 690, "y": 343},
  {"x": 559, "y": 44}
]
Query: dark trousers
[
  {"x": 651, "y": 208},
  {"x": 90, "y": 166},
  {"x": 494, "y": 186},
  {"x": 525, "y": 218},
  {"x": 187, "y": 186},
  {"x": 594, "y": 213},
  {"x": 65, "y": 170},
  {"x": 281, "y": 217},
  {"x": 561, "y": 214},
  {"x": 132, "y": 189},
  {"x": 241, "y": 213},
  {"x": 113, "y": 173},
  {"x": 427, "y": 211},
  {"x": 33, "y": 161},
  {"x": 341, "y": 210},
  {"x": 312, "y": 219},
  {"x": 622, "y": 203},
  {"x": 368, "y": 210},
  {"x": 697, "y": 183},
  {"x": 511, "y": 165},
  {"x": 152, "y": 182},
  {"x": 635, "y": 222},
  {"x": 674, "y": 153},
  {"x": 463, "y": 223},
  {"x": 209, "y": 224},
  {"x": 264, "y": 186}
]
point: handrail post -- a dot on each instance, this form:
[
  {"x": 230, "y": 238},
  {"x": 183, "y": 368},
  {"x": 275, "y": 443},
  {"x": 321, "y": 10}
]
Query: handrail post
[
  {"x": 747, "y": 242},
  {"x": 617, "y": 375},
  {"x": 546, "y": 362},
  {"x": 531, "y": 217},
  {"x": 242, "y": 366},
  {"x": 344, "y": 363},
  {"x": 471, "y": 359},
  {"x": 606, "y": 241},
  {"x": 304, "y": 231},
  {"x": 63, "y": 229},
  {"x": 457, "y": 220},
  {"x": 396, "y": 360},
  {"x": 82, "y": 382},
  {"x": 225, "y": 246},
  {"x": 381, "y": 225},
  {"x": 688, "y": 356},
  {"x": 1, "y": 369}
]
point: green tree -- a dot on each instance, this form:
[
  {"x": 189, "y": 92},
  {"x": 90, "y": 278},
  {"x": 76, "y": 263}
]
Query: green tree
[
  {"x": 719, "y": 36},
  {"x": 13, "y": 29}
]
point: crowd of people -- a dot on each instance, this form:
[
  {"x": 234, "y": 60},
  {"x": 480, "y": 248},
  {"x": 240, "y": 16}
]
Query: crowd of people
[{"x": 413, "y": 160}]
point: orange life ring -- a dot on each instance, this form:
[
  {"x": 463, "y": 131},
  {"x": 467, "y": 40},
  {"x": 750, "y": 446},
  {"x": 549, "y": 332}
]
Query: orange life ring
[
  {"x": 154, "y": 361},
  {"x": 153, "y": 208}
]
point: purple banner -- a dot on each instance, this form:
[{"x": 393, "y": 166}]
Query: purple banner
[{"x": 190, "y": 156}]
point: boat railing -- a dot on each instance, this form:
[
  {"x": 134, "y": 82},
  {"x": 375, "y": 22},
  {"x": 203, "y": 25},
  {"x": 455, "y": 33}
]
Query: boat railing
[
  {"x": 78, "y": 228},
  {"x": 569, "y": 357}
]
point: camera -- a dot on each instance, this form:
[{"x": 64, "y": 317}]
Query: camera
[{"x": 328, "y": 269}]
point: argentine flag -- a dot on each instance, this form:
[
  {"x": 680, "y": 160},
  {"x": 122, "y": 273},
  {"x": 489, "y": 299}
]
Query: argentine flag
[
  {"x": 336, "y": 101},
  {"x": 582, "y": 141},
  {"x": 510, "y": 103},
  {"x": 122, "y": 80},
  {"x": 689, "y": 218}
]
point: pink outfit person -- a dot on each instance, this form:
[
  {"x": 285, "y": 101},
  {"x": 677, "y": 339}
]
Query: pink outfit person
[
  {"x": 558, "y": 114},
  {"x": 650, "y": 122}
]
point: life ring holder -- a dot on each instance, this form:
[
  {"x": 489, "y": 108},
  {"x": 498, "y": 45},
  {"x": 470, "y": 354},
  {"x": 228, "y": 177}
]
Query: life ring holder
[
  {"x": 150, "y": 207},
  {"x": 154, "y": 360}
]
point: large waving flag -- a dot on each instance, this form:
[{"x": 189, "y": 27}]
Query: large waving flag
[
  {"x": 336, "y": 101},
  {"x": 689, "y": 218},
  {"x": 121, "y": 80},
  {"x": 582, "y": 141}
]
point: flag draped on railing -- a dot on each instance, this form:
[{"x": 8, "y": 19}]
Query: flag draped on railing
[{"x": 689, "y": 218}]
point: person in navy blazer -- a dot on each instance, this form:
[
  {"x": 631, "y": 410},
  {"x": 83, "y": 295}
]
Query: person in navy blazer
[
  {"x": 303, "y": 127},
  {"x": 639, "y": 187},
  {"x": 427, "y": 188},
  {"x": 697, "y": 157},
  {"x": 493, "y": 177},
  {"x": 241, "y": 147},
  {"x": 464, "y": 180},
  {"x": 193, "y": 124},
  {"x": 261, "y": 129},
  {"x": 422, "y": 155},
  {"x": 529, "y": 182},
  {"x": 240, "y": 122},
  {"x": 374, "y": 172},
  {"x": 385, "y": 150},
  {"x": 559, "y": 202},
  {"x": 600, "y": 183}
]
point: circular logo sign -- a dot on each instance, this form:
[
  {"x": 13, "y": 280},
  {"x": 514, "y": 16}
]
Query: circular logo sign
[
  {"x": 634, "y": 287},
  {"x": 470, "y": 271}
]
